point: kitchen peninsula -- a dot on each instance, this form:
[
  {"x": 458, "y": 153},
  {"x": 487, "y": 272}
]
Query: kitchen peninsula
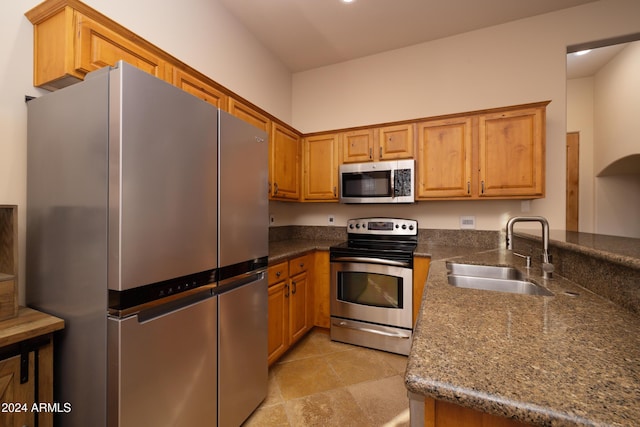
[{"x": 568, "y": 360}]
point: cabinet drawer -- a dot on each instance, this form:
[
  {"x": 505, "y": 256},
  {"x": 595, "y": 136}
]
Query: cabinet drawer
[
  {"x": 278, "y": 273},
  {"x": 300, "y": 264}
]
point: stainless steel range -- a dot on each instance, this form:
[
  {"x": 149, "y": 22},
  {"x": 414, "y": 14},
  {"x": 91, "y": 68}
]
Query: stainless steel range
[{"x": 372, "y": 284}]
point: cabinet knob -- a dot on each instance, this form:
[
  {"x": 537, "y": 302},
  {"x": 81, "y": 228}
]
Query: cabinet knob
[
  {"x": 293, "y": 290},
  {"x": 286, "y": 290},
  {"x": 302, "y": 265},
  {"x": 278, "y": 273}
]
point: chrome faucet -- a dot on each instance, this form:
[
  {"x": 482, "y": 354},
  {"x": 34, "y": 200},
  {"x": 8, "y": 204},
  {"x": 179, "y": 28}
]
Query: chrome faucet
[{"x": 547, "y": 267}]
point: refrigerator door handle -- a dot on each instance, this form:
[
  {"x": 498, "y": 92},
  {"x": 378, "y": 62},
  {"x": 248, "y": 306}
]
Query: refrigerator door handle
[
  {"x": 171, "y": 305},
  {"x": 242, "y": 279}
]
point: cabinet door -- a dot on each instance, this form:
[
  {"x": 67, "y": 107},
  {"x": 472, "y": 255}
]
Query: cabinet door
[
  {"x": 358, "y": 146},
  {"x": 284, "y": 163},
  {"x": 97, "y": 46},
  {"x": 278, "y": 310},
  {"x": 197, "y": 87},
  {"x": 444, "y": 158},
  {"x": 396, "y": 142},
  {"x": 299, "y": 313},
  {"x": 12, "y": 392},
  {"x": 320, "y": 177},
  {"x": 249, "y": 115},
  {"x": 511, "y": 152}
]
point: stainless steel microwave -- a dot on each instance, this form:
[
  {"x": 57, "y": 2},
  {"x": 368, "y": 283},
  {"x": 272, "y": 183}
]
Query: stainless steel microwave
[{"x": 378, "y": 182}]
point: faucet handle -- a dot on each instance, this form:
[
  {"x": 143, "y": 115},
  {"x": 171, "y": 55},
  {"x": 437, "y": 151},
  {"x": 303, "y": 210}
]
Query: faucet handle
[{"x": 526, "y": 257}]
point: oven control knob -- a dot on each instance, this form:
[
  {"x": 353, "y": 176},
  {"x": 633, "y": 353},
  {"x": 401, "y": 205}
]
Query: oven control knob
[
  {"x": 411, "y": 227},
  {"x": 404, "y": 226},
  {"x": 357, "y": 225},
  {"x": 351, "y": 226}
]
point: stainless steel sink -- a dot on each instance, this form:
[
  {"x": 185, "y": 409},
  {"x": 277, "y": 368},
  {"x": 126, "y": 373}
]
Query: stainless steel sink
[
  {"x": 492, "y": 278},
  {"x": 490, "y": 271}
]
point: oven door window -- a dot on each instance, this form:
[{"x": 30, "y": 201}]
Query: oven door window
[
  {"x": 367, "y": 184},
  {"x": 378, "y": 290}
]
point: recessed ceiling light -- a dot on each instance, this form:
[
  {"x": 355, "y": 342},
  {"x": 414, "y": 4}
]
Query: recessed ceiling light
[
  {"x": 583, "y": 52},
  {"x": 348, "y": 1}
]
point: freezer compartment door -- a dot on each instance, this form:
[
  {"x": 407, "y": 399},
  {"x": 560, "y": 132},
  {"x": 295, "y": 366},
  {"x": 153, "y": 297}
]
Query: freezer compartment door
[
  {"x": 243, "y": 367},
  {"x": 162, "y": 365}
]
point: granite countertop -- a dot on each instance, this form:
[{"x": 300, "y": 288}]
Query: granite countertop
[
  {"x": 561, "y": 360},
  {"x": 621, "y": 250},
  {"x": 284, "y": 249}
]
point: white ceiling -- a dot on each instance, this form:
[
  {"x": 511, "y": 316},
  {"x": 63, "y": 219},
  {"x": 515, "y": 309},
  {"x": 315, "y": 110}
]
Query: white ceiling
[
  {"x": 307, "y": 34},
  {"x": 587, "y": 65}
]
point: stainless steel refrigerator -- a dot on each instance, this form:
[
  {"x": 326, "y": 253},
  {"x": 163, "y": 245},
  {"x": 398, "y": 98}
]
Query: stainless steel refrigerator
[{"x": 122, "y": 243}]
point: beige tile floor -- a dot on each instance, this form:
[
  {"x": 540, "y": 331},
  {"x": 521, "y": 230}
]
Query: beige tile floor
[{"x": 324, "y": 383}]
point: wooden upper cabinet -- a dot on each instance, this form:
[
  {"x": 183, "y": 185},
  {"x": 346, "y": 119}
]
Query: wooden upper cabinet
[
  {"x": 200, "y": 88},
  {"x": 68, "y": 45},
  {"x": 320, "y": 169},
  {"x": 444, "y": 158},
  {"x": 284, "y": 163},
  {"x": 385, "y": 143},
  {"x": 396, "y": 142},
  {"x": 98, "y": 47},
  {"x": 249, "y": 114},
  {"x": 512, "y": 153},
  {"x": 358, "y": 146}
]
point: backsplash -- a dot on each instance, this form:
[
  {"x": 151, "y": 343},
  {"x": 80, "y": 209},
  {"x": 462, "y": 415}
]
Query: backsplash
[{"x": 468, "y": 238}]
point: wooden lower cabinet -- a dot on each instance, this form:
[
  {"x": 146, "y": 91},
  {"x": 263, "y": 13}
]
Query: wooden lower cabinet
[
  {"x": 290, "y": 308},
  {"x": 17, "y": 397},
  {"x": 278, "y": 314},
  {"x": 26, "y": 369},
  {"x": 438, "y": 413}
]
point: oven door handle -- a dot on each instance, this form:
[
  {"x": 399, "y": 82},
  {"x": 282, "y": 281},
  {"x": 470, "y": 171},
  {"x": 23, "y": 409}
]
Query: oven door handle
[
  {"x": 343, "y": 324},
  {"x": 371, "y": 261}
]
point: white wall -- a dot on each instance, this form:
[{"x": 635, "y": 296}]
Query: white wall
[
  {"x": 580, "y": 118},
  {"x": 604, "y": 109},
  {"x": 617, "y": 108},
  {"x": 617, "y": 135},
  {"x": 199, "y": 32},
  {"x": 519, "y": 62}
]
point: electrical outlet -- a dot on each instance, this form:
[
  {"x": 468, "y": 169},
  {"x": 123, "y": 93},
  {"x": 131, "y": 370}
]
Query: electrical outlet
[
  {"x": 331, "y": 220},
  {"x": 467, "y": 222},
  {"x": 272, "y": 219}
]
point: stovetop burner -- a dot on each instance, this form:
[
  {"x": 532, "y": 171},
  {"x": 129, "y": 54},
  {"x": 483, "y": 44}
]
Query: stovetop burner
[{"x": 387, "y": 238}]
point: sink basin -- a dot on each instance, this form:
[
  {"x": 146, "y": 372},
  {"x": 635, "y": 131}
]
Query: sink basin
[
  {"x": 492, "y": 278},
  {"x": 489, "y": 271}
]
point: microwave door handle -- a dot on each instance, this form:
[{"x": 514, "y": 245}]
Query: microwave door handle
[{"x": 393, "y": 183}]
